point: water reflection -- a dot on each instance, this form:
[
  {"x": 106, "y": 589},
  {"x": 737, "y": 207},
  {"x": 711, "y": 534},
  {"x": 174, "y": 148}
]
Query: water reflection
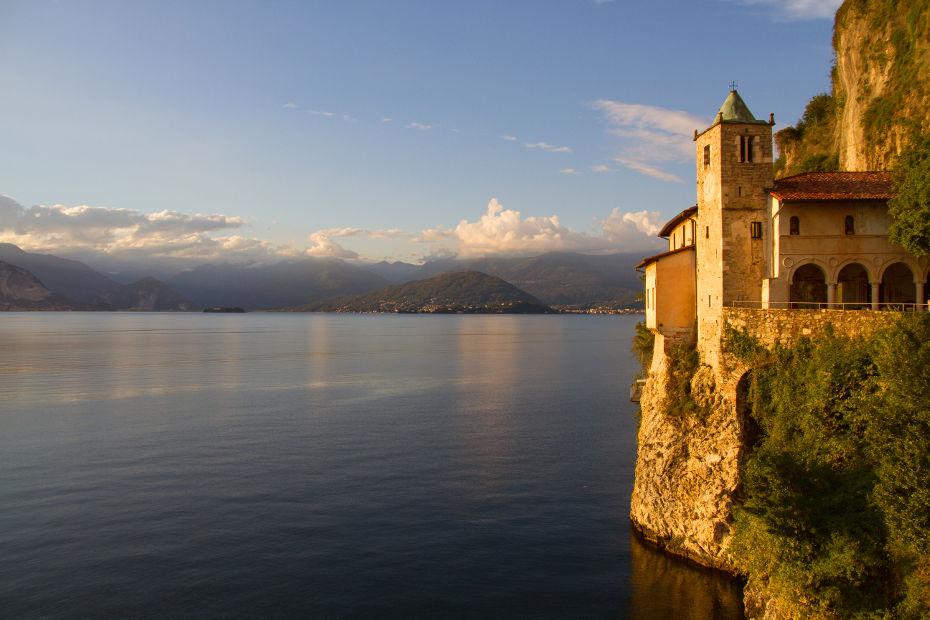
[
  {"x": 326, "y": 466},
  {"x": 665, "y": 587}
]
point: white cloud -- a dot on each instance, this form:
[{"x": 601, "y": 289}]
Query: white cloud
[
  {"x": 509, "y": 138},
  {"x": 799, "y": 9},
  {"x": 322, "y": 113},
  {"x": 420, "y": 126},
  {"x": 323, "y": 244},
  {"x": 568, "y": 171},
  {"x": 549, "y": 148},
  {"x": 650, "y": 136},
  {"x": 290, "y": 105},
  {"x": 387, "y": 119},
  {"x": 648, "y": 170},
  {"x": 127, "y": 233},
  {"x": 600, "y": 168},
  {"x": 505, "y": 231}
]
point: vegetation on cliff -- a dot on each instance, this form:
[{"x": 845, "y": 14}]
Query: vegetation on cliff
[
  {"x": 811, "y": 145},
  {"x": 880, "y": 90},
  {"x": 642, "y": 347},
  {"x": 910, "y": 209},
  {"x": 835, "y": 510}
]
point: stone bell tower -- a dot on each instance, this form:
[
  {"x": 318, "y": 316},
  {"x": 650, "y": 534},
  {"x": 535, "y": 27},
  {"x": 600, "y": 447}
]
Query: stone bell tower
[{"x": 734, "y": 168}]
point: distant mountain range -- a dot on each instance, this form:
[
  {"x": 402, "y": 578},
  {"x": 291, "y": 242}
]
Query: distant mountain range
[
  {"x": 20, "y": 290},
  {"x": 459, "y": 292},
  {"x": 559, "y": 279},
  {"x": 79, "y": 286},
  {"x": 288, "y": 283}
]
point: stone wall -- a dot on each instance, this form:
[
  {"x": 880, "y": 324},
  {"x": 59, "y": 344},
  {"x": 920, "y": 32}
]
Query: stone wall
[{"x": 786, "y": 326}]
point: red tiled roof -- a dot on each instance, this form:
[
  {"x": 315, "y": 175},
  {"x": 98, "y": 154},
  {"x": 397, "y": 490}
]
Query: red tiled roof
[
  {"x": 675, "y": 221},
  {"x": 816, "y": 186},
  {"x": 652, "y": 259}
]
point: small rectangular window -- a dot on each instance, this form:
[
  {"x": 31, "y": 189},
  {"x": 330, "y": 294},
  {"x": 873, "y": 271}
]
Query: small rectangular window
[
  {"x": 707, "y": 232},
  {"x": 794, "y": 225},
  {"x": 706, "y": 155},
  {"x": 750, "y": 143},
  {"x": 850, "y": 225},
  {"x": 755, "y": 229}
]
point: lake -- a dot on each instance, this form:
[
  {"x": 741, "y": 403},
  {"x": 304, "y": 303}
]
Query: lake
[{"x": 272, "y": 465}]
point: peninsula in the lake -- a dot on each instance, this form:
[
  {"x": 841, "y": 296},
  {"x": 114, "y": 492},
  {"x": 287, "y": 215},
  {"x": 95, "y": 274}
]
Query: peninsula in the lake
[{"x": 464, "y": 292}]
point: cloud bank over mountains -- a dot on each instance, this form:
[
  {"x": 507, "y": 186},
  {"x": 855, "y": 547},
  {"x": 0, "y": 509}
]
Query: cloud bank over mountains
[
  {"x": 505, "y": 231},
  {"x": 172, "y": 238}
]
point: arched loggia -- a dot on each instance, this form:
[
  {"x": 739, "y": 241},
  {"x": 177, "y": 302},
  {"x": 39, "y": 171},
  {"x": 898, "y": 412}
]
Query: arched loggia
[{"x": 808, "y": 287}]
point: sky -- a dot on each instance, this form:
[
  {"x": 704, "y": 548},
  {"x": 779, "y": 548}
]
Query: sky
[{"x": 402, "y": 130}]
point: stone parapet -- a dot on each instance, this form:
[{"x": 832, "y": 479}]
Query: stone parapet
[{"x": 787, "y": 326}]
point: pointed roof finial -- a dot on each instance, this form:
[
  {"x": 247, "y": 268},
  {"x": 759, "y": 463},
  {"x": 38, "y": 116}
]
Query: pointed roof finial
[{"x": 733, "y": 86}]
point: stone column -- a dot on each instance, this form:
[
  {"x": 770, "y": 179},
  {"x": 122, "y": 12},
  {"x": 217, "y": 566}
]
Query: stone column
[
  {"x": 921, "y": 295},
  {"x": 875, "y": 295},
  {"x": 831, "y": 294}
]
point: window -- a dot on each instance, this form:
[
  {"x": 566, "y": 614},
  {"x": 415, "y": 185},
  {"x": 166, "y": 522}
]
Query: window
[
  {"x": 755, "y": 229},
  {"x": 707, "y": 232},
  {"x": 746, "y": 144},
  {"x": 850, "y": 225},
  {"x": 794, "y": 225},
  {"x": 706, "y": 155}
]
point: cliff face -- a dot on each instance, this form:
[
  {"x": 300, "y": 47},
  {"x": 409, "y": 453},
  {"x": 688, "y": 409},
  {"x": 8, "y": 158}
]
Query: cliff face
[
  {"x": 687, "y": 466},
  {"x": 880, "y": 91}
]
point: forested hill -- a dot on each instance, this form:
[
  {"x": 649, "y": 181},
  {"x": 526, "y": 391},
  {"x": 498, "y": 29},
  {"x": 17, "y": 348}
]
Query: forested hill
[
  {"x": 880, "y": 91},
  {"x": 460, "y": 292}
]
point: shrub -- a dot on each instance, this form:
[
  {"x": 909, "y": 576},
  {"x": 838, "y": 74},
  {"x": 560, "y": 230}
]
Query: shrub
[{"x": 836, "y": 509}]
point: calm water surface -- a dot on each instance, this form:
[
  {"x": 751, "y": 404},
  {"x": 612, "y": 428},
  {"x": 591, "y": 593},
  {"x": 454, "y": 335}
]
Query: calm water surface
[{"x": 326, "y": 466}]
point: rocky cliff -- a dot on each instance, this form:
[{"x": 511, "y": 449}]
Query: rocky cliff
[
  {"x": 687, "y": 466},
  {"x": 880, "y": 91},
  {"x": 20, "y": 290}
]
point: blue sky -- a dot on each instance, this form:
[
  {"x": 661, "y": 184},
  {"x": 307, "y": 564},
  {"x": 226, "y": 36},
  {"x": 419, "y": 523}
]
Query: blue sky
[{"x": 236, "y": 130}]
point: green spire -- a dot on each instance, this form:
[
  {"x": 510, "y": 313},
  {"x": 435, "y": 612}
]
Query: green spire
[{"x": 735, "y": 110}]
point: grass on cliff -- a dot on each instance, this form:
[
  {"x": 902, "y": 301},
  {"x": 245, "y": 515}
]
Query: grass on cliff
[
  {"x": 641, "y": 347},
  {"x": 835, "y": 510}
]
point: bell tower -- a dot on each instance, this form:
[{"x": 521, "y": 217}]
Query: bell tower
[{"x": 734, "y": 168}]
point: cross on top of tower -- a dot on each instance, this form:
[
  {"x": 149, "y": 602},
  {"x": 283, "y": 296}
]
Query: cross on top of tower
[{"x": 733, "y": 86}]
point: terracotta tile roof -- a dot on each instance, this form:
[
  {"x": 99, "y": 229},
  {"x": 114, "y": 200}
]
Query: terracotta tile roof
[
  {"x": 816, "y": 186},
  {"x": 675, "y": 221},
  {"x": 652, "y": 259}
]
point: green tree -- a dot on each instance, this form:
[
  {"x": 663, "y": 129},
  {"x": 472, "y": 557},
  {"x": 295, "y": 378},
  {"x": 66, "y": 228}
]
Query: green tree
[{"x": 910, "y": 208}]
